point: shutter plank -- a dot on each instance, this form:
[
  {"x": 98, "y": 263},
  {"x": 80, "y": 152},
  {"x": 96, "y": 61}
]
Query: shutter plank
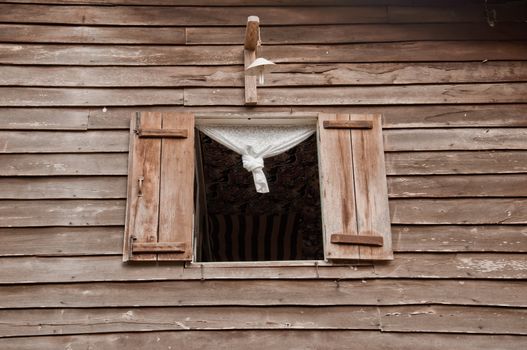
[
  {"x": 143, "y": 210},
  {"x": 371, "y": 190},
  {"x": 177, "y": 186},
  {"x": 336, "y": 185}
]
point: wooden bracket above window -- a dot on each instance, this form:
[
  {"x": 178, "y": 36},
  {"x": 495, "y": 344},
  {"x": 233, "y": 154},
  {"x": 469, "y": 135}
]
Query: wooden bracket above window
[{"x": 252, "y": 38}]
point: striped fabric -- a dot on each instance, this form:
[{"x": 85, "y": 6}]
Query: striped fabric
[{"x": 254, "y": 237}]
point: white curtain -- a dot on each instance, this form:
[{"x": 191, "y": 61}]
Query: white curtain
[{"x": 254, "y": 143}]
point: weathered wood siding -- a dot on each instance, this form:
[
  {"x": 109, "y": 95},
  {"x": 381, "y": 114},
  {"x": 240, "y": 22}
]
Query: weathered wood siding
[{"x": 453, "y": 93}]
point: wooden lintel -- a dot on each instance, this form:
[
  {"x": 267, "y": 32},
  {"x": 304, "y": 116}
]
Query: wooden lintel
[
  {"x": 176, "y": 247},
  {"x": 348, "y": 124},
  {"x": 357, "y": 239},
  {"x": 171, "y": 133},
  {"x": 252, "y": 33}
]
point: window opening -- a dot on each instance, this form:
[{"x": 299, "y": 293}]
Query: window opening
[{"x": 236, "y": 223}]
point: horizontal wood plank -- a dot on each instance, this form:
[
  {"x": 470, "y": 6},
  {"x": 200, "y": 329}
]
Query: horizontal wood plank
[
  {"x": 255, "y": 339},
  {"x": 288, "y": 339},
  {"x": 61, "y": 141},
  {"x": 129, "y": 55},
  {"x": 461, "y": 162},
  {"x": 63, "y": 187},
  {"x": 282, "y": 75},
  {"x": 405, "y": 265},
  {"x": 511, "y": 185},
  {"x": 455, "y": 139},
  {"x": 430, "y": 116},
  {"x": 459, "y": 211},
  {"x": 364, "y": 95},
  {"x": 434, "y": 318},
  {"x": 58, "y": 241},
  {"x": 318, "y": 34},
  {"x": 357, "y": 33},
  {"x": 359, "y": 95},
  {"x": 465, "y": 238},
  {"x": 27, "y": 213},
  {"x": 249, "y": 293},
  {"x": 39, "y": 119},
  {"x": 88, "y": 97},
  {"x": 63, "y": 164}
]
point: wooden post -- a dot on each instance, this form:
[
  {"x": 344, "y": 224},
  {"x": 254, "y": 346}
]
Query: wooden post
[{"x": 252, "y": 36}]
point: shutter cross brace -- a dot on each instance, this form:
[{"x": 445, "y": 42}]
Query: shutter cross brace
[
  {"x": 348, "y": 124},
  {"x": 337, "y": 238},
  {"x": 159, "y": 247}
]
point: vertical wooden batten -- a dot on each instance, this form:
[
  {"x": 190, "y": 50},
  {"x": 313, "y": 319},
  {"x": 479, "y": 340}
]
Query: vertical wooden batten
[{"x": 252, "y": 38}]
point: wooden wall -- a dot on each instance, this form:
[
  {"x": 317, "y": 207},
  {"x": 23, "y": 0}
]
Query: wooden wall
[{"x": 453, "y": 92}]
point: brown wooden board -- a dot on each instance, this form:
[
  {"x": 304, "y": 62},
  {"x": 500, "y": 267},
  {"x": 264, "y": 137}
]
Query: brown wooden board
[
  {"x": 70, "y": 212},
  {"x": 434, "y": 318},
  {"x": 176, "y": 212},
  {"x": 361, "y": 95},
  {"x": 461, "y": 162},
  {"x": 128, "y": 55},
  {"x": 63, "y": 164},
  {"x": 426, "y": 116},
  {"x": 60, "y": 241},
  {"x": 405, "y": 265},
  {"x": 282, "y": 75},
  {"x": 82, "y": 187},
  {"x": 459, "y": 211},
  {"x": 41, "y": 119},
  {"x": 468, "y": 238},
  {"x": 444, "y": 186},
  {"x": 249, "y": 293}
]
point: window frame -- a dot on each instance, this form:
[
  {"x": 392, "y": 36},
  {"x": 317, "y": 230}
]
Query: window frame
[{"x": 361, "y": 139}]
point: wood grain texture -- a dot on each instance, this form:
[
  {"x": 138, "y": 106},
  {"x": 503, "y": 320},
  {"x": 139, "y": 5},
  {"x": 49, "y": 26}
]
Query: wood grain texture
[
  {"x": 371, "y": 192},
  {"x": 129, "y": 55},
  {"x": 249, "y": 293},
  {"x": 88, "y": 97},
  {"x": 427, "y": 116},
  {"x": 63, "y": 164},
  {"x": 337, "y": 187},
  {"x": 461, "y": 162},
  {"x": 506, "y": 266},
  {"x": 468, "y": 238},
  {"x": 60, "y": 241},
  {"x": 282, "y": 75},
  {"x": 363, "y": 95},
  {"x": 176, "y": 191},
  {"x": 236, "y": 340},
  {"x": 39, "y": 119},
  {"x": 84, "y": 187},
  {"x": 27, "y": 213},
  {"x": 21, "y": 33},
  {"x": 63, "y": 142},
  {"x": 511, "y": 185},
  {"x": 459, "y": 211},
  {"x": 455, "y": 139},
  {"x": 359, "y": 33},
  {"x": 435, "y": 318}
]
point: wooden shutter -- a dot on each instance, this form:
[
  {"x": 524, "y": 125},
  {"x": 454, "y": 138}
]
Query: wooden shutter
[
  {"x": 354, "y": 194},
  {"x": 159, "y": 209}
]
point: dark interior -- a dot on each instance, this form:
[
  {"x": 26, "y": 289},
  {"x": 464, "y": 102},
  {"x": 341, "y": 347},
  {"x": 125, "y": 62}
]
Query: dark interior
[{"x": 239, "y": 224}]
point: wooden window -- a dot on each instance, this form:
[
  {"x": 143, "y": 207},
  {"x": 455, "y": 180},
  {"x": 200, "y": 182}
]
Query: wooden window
[{"x": 354, "y": 198}]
